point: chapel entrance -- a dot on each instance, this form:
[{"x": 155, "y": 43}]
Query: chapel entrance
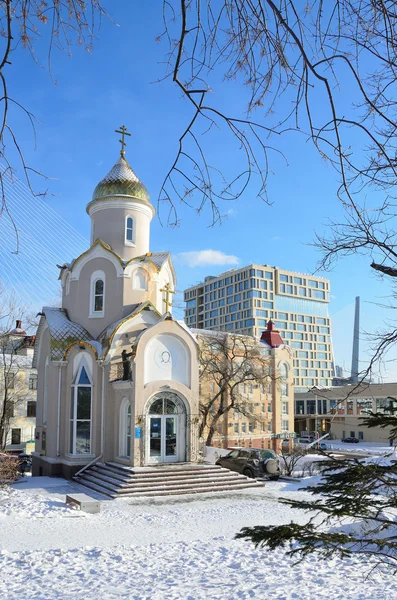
[{"x": 166, "y": 425}]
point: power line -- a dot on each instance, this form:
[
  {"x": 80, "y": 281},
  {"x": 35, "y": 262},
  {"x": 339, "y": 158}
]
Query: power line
[{"x": 43, "y": 239}]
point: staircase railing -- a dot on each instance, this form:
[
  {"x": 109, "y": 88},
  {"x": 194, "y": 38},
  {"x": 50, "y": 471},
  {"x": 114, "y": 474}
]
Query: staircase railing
[{"x": 90, "y": 464}]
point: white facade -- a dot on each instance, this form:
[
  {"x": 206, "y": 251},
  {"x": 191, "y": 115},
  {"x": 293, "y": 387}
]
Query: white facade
[{"x": 118, "y": 376}]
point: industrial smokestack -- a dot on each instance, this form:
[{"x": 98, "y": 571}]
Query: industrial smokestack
[{"x": 356, "y": 343}]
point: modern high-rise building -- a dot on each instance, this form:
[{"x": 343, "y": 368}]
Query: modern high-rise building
[{"x": 243, "y": 300}]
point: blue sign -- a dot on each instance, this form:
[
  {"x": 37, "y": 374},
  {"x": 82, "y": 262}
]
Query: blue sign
[{"x": 138, "y": 433}]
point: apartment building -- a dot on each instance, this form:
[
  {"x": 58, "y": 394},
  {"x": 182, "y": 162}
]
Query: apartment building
[
  {"x": 339, "y": 410},
  {"x": 18, "y": 390},
  {"x": 264, "y": 412},
  {"x": 243, "y": 300}
]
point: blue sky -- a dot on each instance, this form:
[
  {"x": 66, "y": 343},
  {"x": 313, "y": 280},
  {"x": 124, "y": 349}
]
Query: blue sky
[{"x": 77, "y": 146}]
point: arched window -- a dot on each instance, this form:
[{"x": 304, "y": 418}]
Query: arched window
[
  {"x": 129, "y": 231},
  {"x": 80, "y": 412},
  {"x": 98, "y": 295},
  {"x": 125, "y": 428},
  {"x": 140, "y": 279},
  {"x": 284, "y": 379},
  {"x": 67, "y": 284},
  {"x": 45, "y": 392},
  {"x": 97, "y": 300}
]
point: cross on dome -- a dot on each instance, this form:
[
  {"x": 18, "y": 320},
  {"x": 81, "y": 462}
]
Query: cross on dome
[{"x": 123, "y": 131}]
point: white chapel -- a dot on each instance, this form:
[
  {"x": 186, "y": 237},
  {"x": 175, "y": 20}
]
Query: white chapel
[{"x": 118, "y": 376}]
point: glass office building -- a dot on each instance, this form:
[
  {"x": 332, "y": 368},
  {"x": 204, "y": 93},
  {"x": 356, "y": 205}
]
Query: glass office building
[{"x": 243, "y": 300}]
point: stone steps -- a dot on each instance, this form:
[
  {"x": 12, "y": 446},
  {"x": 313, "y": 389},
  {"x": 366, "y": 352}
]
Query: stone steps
[
  {"x": 148, "y": 479},
  {"x": 116, "y": 480}
]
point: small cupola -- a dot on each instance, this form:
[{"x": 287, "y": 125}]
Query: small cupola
[
  {"x": 120, "y": 209},
  {"x": 18, "y": 329},
  {"x": 271, "y": 337},
  {"x": 121, "y": 181}
]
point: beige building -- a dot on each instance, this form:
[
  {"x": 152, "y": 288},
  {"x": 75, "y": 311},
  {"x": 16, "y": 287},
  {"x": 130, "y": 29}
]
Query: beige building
[
  {"x": 263, "y": 415},
  {"x": 243, "y": 300},
  {"x": 339, "y": 410},
  {"x": 18, "y": 385},
  {"x": 118, "y": 377}
]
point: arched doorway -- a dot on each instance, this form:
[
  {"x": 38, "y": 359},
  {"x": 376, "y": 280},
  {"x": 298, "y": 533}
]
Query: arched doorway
[{"x": 165, "y": 429}]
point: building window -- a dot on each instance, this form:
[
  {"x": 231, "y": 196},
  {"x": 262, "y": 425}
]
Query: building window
[
  {"x": 251, "y": 427},
  {"x": 9, "y": 381},
  {"x": 243, "y": 427},
  {"x": 284, "y": 425},
  {"x": 98, "y": 295},
  {"x": 129, "y": 231},
  {"x": 236, "y": 428},
  {"x": 80, "y": 413},
  {"x": 140, "y": 279},
  {"x": 33, "y": 382},
  {"x": 97, "y": 301},
  {"x": 31, "y": 408},
  {"x": 284, "y": 379},
  {"x": 15, "y": 436}
]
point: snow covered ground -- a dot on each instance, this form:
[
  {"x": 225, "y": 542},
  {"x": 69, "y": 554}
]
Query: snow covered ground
[
  {"x": 364, "y": 447},
  {"x": 163, "y": 549}
]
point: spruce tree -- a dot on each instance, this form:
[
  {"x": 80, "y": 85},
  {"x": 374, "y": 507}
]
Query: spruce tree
[{"x": 353, "y": 510}]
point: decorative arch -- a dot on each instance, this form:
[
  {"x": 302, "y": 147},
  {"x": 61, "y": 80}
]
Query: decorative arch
[
  {"x": 140, "y": 279},
  {"x": 97, "y": 294},
  {"x": 165, "y": 417},
  {"x": 98, "y": 250},
  {"x": 167, "y": 357},
  {"x": 166, "y": 403}
]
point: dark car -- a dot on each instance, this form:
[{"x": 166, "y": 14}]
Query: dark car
[
  {"x": 252, "y": 462},
  {"x": 350, "y": 440}
]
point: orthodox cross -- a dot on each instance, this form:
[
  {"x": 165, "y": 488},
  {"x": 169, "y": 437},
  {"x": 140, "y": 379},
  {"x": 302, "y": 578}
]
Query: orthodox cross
[
  {"x": 124, "y": 132},
  {"x": 168, "y": 291}
]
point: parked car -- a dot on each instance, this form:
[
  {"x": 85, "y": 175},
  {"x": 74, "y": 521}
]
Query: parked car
[
  {"x": 350, "y": 440},
  {"x": 252, "y": 462}
]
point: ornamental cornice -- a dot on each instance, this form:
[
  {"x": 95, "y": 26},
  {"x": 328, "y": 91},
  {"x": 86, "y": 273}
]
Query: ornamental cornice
[{"x": 125, "y": 202}]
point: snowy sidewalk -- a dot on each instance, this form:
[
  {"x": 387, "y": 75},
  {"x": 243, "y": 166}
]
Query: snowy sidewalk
[{"x": 170, "y": 549}]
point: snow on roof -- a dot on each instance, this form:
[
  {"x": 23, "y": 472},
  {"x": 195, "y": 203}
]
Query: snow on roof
[{"x": 65, "y": 332}]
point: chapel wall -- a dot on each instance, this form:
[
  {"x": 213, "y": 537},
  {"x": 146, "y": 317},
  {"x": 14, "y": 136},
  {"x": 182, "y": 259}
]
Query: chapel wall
[
  {"x": 108, "y": 224},
  {"x": 79, "y": 299}
]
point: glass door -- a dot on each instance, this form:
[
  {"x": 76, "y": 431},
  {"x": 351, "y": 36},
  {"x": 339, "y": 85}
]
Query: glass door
[
  {"x": 155, "y": 428},
  {"x": 163, "y": 439},
  {"x": 170, "y": 441}
]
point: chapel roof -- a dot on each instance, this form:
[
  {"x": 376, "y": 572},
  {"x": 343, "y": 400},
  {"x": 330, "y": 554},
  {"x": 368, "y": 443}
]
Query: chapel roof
[
  {"x": 64, "y": 332},
  {"x": 121, "y": 181}
]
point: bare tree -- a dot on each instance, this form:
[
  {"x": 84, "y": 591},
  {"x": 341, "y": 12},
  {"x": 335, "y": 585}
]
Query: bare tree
[
  {"x": 11, "y": 363},
  {"x": 290, "y": 458},
  {"x": 324, "y": 69},
  {"x": 62, "y": 24},
  {"x": 228, "y": 362}
]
